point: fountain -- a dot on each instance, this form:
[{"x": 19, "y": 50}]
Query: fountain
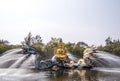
[
  {"x": 26, "y": 64},
  {"x": 28, "y": 57}
]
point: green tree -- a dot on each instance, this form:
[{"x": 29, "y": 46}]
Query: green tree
[
  {"x": 4, "y": 42},
  {"x": 78, "y": 50},
  {"x": 108, "y": 40},
  {"x": 70, "y": 47},
  {"x": 50, "y": 46},
  {"x": 4, "y": 46},
  {"x": 111, "y": 46},
  {"x": 28, "y": 39},
  {"x": 31, "y": 40},
  {"x": 34, "y": 41}
]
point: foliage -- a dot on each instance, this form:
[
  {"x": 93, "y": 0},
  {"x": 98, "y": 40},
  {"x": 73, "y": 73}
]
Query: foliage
[
  {"x": 3, "y": 41},
  {"x": 78, "y": 49},
  {"x": 4, "y": 46},
  {"x": 39, "y": 48},
  {"x": 112, "y": 46},
  {"x": 30, "y": 40},
  {"x": 70, "y": 47},
  {"x": 49, "y": 47},
  {"x": 108, "y": 40},
  {"x": 46, "y": 50}
]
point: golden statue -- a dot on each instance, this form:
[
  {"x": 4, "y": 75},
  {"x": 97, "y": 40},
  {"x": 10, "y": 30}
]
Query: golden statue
[{"x": 60, "y": 52}]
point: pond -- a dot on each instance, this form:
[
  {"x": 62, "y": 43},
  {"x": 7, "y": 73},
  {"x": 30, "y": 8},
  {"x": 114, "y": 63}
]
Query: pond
[{"x": 95, "y": 74}]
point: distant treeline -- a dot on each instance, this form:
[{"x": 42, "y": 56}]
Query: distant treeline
[
  {"x": 4, "y": 46},
  {"x": 47, "y": 49},
  {"x": 112, "y": 46}
]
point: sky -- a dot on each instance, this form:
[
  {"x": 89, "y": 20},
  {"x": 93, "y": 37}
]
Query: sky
[{"x": 90, "y": 21}]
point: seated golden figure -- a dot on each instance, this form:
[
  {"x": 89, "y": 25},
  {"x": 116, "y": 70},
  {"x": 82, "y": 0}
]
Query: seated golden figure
[{"x": 60, "y": 51}]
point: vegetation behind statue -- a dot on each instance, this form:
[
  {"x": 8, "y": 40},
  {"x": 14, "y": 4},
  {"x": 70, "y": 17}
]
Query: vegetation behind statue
[{"x": 112, "y": 46}]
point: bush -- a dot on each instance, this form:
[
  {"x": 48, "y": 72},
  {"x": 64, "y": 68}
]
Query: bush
[
  {"x": 4, "y": 47},
  {"x": 112, "y": 47}
]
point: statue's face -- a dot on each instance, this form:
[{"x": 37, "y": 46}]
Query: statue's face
[{"x": 60, "y": 51}]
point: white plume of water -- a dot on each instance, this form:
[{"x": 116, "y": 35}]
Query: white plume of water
[
  {"x": 104, "y": 59},
  {"x": 9, "y": 57},
  {"x": 19, "y": 62},
  {"x": 29, "y": 62},
  {"x": 15, "y": 59},
  {"x": 12, "y": 51},
  {"x": 72, "y": 57}
]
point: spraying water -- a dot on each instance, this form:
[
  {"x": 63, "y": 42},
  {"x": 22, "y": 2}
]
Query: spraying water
[
  {"x": 104, "y": 59},
  {"x": 72, "y": 57},
  {"x": 9, "y": 57},
  {"x": 16, "y": 59},
  {"x": 20, "y": 61}
]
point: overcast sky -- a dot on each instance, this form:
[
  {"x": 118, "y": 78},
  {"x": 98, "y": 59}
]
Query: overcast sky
[{"x": 91, "y": 21}]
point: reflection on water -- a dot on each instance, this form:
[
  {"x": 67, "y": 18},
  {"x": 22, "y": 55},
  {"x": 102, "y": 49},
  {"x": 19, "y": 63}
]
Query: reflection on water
[
  {"x": 21, "y": 75},
  {"x": 97, "y": 74},
  {"x": 84, "y": 75},
  {"x": 72, "y": 75}
]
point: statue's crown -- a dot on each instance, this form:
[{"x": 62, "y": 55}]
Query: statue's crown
[{"x": 60, "y": 43}]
